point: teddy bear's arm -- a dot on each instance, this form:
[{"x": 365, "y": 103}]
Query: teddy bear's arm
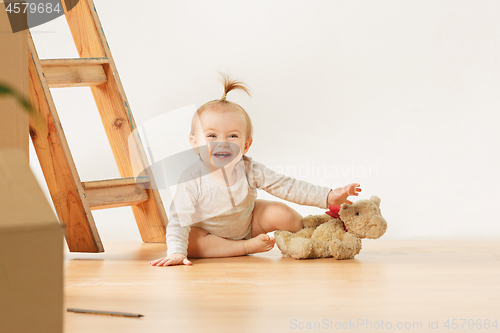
[{"x": 346, "y": 248}]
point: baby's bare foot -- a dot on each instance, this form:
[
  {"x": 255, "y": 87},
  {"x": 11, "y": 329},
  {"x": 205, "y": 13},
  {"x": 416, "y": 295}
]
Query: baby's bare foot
[{"x": 260, "y": 243}]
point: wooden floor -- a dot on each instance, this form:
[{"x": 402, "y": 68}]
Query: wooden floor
[{"x": 401, "y": 285}]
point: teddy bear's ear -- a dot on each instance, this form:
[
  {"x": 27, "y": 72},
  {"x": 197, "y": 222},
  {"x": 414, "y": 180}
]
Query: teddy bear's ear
[
  {"x": 376, "y": 200},
  {"x": 344, "y": 206}
]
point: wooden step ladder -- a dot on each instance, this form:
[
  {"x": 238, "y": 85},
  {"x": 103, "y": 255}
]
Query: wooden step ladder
[{"x": 73, "y": 199}]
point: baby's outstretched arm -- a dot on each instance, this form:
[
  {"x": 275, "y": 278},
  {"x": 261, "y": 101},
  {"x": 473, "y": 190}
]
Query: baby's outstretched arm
[
  {"x": 339, "y": 196},
  {"x": 173, "y": 259}
]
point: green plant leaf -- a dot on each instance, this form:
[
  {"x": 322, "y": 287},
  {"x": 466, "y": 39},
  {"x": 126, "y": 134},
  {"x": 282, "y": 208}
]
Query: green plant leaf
[{"x": 6, "y": 90}]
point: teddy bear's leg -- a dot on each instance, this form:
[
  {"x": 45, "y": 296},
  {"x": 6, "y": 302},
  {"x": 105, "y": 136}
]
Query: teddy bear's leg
[
  {"x": 300, "y": 248},
  {"x": 282, "y": 238},
  {"x": 336, "y": 249},
  {"x": 346, "y": 248},
  {"x": 352, "y": 244},
  {"x": 320, "y": 249}
]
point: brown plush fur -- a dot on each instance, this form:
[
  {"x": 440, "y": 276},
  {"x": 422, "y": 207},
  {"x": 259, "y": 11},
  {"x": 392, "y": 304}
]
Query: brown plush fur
[{"x": 324, "y": 236}]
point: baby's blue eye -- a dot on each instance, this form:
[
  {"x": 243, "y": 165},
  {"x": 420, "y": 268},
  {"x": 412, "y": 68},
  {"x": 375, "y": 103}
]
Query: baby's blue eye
[
  {"x": 211, "y": 136},
  {"x": 233, "y": 136}
]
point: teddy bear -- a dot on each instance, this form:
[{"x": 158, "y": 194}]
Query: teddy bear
[{"x": 337, "y": 233}]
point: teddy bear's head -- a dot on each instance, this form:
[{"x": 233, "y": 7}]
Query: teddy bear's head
[{"x": 363, "y": 218}]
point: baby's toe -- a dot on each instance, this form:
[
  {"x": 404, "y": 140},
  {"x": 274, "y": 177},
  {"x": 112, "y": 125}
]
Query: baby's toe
[{"x": 265, "y": 237}]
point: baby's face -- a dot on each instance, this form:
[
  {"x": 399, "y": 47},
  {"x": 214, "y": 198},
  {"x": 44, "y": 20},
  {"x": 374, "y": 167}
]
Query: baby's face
[{"x": 221, "y": 138}]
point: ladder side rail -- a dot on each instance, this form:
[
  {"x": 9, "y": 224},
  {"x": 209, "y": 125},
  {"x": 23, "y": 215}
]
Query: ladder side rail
[
  {"x": 117, "y": 117},
  {"x": 58, "y": 166}
]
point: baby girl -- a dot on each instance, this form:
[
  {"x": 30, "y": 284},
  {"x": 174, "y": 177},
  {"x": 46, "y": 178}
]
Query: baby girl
[{"x": 215, "y": 211}]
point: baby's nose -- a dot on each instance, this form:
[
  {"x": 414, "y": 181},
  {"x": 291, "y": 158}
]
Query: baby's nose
[{"x": 223, "y": 143}]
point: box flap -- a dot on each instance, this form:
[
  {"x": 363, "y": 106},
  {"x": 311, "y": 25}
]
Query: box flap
[{"x": 22, "y": 202}]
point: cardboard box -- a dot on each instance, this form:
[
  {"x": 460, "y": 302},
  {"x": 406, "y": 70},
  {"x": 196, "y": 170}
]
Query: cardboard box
[
  {"x": 14, "y": 56},
  {"x": 31, "y": 251}
]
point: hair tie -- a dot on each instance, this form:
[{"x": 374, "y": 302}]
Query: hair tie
[{"x": 223, "y": 97}]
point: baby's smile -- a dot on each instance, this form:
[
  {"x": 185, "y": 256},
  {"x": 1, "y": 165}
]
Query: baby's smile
[
  {"x": 223, "y": 156},
  {"x": 222, "y": 153}
]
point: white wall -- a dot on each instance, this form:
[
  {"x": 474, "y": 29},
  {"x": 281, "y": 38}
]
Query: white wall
[{"x": 402, "y": 97}]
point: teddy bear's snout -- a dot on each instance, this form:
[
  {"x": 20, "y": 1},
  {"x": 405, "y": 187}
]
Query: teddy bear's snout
[{"x": 376, "y": 227}]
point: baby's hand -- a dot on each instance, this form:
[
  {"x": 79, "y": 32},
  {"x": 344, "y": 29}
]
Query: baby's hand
[
  {"x": 173, "y": 259},
  {"x": 339, "y": 196}
]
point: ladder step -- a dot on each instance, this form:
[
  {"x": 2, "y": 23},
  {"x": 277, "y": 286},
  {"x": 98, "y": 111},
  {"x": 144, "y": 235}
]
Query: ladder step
[
  {"x": 114, "y": 193},
  {"x": 77, "y": 72}
]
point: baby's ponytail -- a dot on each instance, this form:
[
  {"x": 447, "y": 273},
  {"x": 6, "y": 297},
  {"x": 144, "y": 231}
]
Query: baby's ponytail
[{"x": 230, "y": 84}]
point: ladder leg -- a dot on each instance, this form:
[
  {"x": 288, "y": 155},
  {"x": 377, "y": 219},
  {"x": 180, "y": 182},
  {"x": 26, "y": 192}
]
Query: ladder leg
[
  {"x": 129, "y": 156},
  {"x": 58, "y": 166}
]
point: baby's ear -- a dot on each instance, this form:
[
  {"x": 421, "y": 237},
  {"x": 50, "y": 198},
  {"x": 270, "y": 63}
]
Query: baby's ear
[
  {"x": 376, "y": 200},
  {"x": 248, "y": 143},
  {"x": 194, "y": 144}
]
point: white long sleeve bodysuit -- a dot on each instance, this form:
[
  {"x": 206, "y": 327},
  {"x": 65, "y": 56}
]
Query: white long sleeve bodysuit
[{"x": 227, "y": 211}]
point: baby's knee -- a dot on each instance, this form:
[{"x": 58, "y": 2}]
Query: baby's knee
[{"x": 290, "y": 219}]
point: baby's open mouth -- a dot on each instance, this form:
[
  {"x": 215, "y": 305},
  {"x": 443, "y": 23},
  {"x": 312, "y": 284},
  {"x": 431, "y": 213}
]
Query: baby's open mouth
[{"x": 222, "y": 155}]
